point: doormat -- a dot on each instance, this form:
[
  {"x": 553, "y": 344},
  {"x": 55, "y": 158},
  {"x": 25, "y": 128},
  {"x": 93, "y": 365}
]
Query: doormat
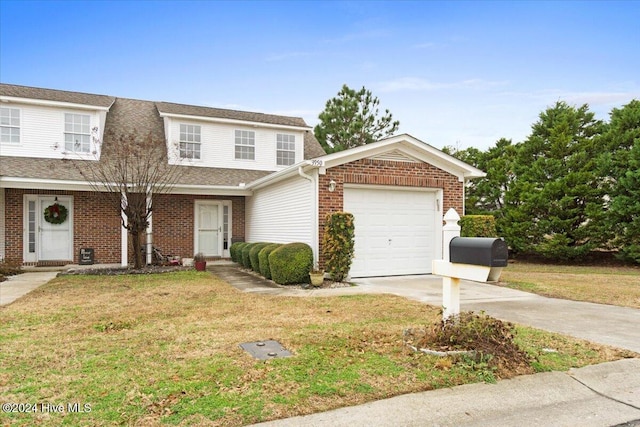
[{"x": 265, "y": 350}]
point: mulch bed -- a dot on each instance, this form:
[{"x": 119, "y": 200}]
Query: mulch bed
[{"x": 149, "y": 269}]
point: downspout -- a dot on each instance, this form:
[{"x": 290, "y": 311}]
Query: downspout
[{"x": 314, "y": 213}]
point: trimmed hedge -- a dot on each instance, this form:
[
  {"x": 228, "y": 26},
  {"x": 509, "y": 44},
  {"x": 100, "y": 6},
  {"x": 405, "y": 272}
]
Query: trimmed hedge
[
  {"x": 253, "y": 255},
  {"x": 291, "y": 263},
  {"x": 244, "y": 258},
  {"x": 235, "y": 250},
  {"x": 478, "y": 226},
  {"x": 263, "y": 259}
]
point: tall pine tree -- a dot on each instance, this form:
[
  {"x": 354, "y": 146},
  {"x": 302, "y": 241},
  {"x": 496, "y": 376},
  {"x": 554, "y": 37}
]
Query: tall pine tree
[{"x": 556, "y": 186}]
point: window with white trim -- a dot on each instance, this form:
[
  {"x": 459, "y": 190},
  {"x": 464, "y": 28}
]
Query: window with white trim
[
  {"x": 285, "y": 149},
  {"x": 245, "y": 145},
  {"x": 10, "y": 125},
  {"x": 77, "y": 133},
  {"x": 190, "y": 140}
]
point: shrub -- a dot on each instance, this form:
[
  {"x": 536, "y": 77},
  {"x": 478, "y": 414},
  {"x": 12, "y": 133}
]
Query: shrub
[
  {"x": 478, "y": 226},
  {"x": 9, "y": 268},
  {"x": 235, "y": 249},
  {"x": 291, "y": 263},
  {"x": 263, "y": 259},
  {"x": 338, "y": 244},
  {"x": 245, "y": 261},
  {"x": 253, "y": 256}
]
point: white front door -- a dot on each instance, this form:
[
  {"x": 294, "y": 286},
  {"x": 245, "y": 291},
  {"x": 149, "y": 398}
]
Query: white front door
[
  {"x": 43, "y": 240},
  {"x": 208, "y": 228}
]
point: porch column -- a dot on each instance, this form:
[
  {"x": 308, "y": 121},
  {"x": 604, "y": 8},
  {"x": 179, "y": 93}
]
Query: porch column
[
  {"x": 149, "y": 244},
  {"x": 124, "y": 237}
]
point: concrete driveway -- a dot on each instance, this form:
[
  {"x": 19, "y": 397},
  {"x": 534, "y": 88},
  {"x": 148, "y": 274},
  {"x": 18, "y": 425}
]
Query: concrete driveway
[{"x": 604, "y": 324}]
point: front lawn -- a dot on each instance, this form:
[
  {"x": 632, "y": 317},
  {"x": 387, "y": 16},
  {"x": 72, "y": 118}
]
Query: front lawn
[
  {"x": 164, "y": 349},
  {"x": 605, "y": 285}
]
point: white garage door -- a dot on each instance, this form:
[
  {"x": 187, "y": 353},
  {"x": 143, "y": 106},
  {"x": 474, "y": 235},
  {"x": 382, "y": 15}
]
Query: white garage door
[{"x": 395, "y": 230}]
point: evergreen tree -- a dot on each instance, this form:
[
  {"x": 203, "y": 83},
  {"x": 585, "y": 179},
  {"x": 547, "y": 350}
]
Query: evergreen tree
[
  {"x": 555, "y": 186},
  {"x": 352, "y": 119},
  {"x": 619, "y": 167}
]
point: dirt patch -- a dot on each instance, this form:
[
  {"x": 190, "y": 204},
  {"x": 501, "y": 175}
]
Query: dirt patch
[{"x": 476, "y": 337}]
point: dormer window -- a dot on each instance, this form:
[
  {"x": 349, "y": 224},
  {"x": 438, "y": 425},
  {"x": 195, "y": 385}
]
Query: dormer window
[
  {"x": 285, "y": 149},
  {"x": 10, "y": 125},
  {"x": 245, "y": 145},
  {"x": 77, "y": 133},
  {"x": 190, "y": 141}
]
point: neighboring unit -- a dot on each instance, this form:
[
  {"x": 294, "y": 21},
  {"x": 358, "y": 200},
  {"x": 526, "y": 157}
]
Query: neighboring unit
[{"x": 247, "y": 176}]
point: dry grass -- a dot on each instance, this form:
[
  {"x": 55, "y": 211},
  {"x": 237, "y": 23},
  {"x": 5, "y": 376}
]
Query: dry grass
[
  {"x": 605, "y": 285},
  {"x": 156, "y": 349}
]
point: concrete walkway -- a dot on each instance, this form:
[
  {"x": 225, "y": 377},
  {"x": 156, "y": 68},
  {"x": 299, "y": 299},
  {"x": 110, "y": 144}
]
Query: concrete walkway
[{"x": 21, "y": 284}]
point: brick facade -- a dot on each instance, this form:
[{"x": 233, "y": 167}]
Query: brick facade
[
  {"x": 174, "y": 223},
  {"x": 384, "y": 172},
  {"x": 97, "y": 225}
]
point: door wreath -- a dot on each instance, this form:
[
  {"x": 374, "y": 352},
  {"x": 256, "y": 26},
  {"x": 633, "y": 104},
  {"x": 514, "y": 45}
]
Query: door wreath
[{"x": 55, "y": 213}]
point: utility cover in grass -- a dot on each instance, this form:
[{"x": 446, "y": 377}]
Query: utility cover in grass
[{"x": 265, "y": 350}]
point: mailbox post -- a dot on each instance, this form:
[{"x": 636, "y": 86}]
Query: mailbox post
[{"x": 480, "y": 259}]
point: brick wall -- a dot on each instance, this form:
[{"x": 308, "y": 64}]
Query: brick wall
[
  {"x": 173, "y": 222},
  {"x": 385, "y": 172},
  {"x": 97, "y": 224}
]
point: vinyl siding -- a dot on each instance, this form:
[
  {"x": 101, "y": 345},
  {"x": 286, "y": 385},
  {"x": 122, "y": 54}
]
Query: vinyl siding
[
  {"x": 42, "y": 131},
  {"x": 281, "y": 213},
  {"x": 217, "y": 149}
]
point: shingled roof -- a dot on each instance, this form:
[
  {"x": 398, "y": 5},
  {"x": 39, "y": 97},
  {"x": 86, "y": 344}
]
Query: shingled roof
[
  {"x": 56, "y": 95},
  {"x": 64, "y": 170},
  {"x": 220, "y": 113},
  {"x": 131, "y": 116}
]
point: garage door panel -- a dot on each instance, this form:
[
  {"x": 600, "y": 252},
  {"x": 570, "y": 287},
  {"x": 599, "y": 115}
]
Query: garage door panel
[{"x": 395, "y": 231}]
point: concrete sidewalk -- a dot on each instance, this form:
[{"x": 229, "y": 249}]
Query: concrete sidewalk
[{"x": 600, "y": 395}]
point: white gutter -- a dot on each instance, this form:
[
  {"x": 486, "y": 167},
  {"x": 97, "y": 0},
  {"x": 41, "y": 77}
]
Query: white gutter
[
  {"x": 243, "y": 123},
  {"x": 283, "y": 174},
  {"x": 46, "y": 184},
  {"x": 53, "y": 103}
]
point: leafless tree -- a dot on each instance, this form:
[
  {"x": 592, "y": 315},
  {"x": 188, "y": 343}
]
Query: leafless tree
[{"x": 129, "y": 171}]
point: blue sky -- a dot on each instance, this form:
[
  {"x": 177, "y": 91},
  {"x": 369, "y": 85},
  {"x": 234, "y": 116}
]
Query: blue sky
[{"x": 453, "y": 73}]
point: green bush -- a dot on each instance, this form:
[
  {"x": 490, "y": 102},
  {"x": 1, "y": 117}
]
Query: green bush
[
  {"x": 235, "y": 250},
  {"x": 291, "y": 263},
  {"x": 244, "y": 255},
  {"x": 263, "y": 259},
  {"x": 478, "y": 226},
  {"x": 338, "y": 244},
  {"x": 253, "y": 255}
]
